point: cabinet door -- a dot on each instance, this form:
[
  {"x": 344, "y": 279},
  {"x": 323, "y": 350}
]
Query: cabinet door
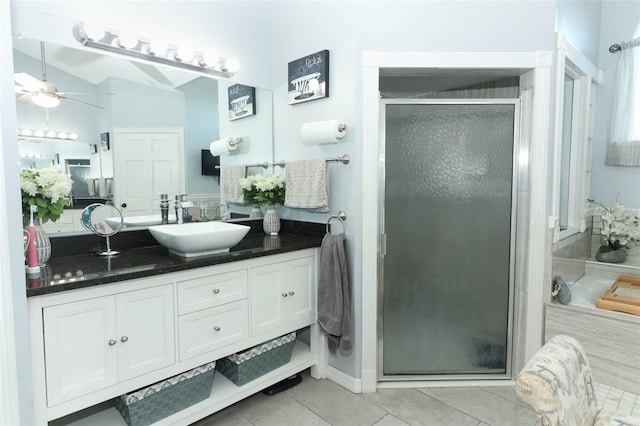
[
  {"x": 301, "y": 300},
  {"x": 268, "y": 298},
  {"x": 146, "y": 338},
  {"x": 81, "y": 349}
]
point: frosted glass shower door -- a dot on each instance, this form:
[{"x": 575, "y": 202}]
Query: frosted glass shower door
[{"x": 447, "y": 222}]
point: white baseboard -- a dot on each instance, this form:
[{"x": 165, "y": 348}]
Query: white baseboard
[{"x": 349, "y": 383}]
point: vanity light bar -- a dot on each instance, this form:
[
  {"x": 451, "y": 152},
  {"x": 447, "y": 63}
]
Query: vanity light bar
[
  {"x": 144, "y": 49},
  {"x": 47, "y": 134}
]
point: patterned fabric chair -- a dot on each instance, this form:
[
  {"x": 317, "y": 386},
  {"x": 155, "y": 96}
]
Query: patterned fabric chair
[{"x": 557, "y": 384}]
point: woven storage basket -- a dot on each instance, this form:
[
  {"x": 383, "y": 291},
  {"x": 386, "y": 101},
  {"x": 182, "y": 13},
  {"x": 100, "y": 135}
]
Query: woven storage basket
[
  {"x": 148, "y": 405},
  {"x": 248, "y": 365}
]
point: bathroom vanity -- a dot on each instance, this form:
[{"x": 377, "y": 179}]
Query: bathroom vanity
[{"x": 124, "y": 323}]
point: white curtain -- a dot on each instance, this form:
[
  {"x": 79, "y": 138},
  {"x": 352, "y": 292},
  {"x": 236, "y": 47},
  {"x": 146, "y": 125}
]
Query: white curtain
[{"x": 623, "y": 147}]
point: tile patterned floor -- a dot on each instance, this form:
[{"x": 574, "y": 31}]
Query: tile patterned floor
[{"x": 322, "y": 402}]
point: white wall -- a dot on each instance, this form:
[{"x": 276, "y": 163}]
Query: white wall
[
  {"x": 579, "y": 21},
  {"x": 610, "y": 183}
]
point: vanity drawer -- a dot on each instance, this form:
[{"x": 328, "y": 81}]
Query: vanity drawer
[
  {"x": 214, "y": 290},
  {"x": 211, "y": 329}
]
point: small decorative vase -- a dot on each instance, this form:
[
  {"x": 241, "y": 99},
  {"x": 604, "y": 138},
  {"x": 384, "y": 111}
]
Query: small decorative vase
[
  {"x": 43, "y": 244},
  {"x": 609, "y": 255},
  {"x": 255, "y": 211},
  {"x": 271, "y": 221}
]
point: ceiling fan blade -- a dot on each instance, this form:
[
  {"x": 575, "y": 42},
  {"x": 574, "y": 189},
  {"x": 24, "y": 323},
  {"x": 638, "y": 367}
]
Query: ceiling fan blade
[
  {"x": 25, "y": 98},
  {"x": 82, "y": 102},
  {"x": 84, "y": 93},
  {"x": 29, "y": 82}
]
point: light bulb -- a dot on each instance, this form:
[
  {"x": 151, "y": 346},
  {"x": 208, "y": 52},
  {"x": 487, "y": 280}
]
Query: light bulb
[
  {"x": 62, "y": 135},
  {"x": 38, "y": 133},
  {"x": 183, "y": 55},
  {"x": 26, "y": 132},
  {"x": 128, "y": 40},
  {"x": 159, "y": 48},
  {"x": 73, "y": 136},
  {"x": 232, "y": 65},
  {"x": 211, "y": 59},
  {"x": 93, "y": 30},
  {"x": 51, "y": 134}
]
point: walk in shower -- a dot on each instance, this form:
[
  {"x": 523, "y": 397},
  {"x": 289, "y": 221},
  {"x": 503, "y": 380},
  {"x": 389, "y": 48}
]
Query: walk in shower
[{"x": 447, "y": 218}]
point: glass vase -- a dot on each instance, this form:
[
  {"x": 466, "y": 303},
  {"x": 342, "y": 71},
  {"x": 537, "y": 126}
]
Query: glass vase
[{"x": 271, "y": 221}]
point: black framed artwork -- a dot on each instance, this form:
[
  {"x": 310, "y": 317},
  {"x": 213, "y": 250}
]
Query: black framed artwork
[
  {"x": 93, "y": 148},
  {"x": 242, "y": 101},
  {"x": 104, "y": 141},
  {"x": 309, "y": 78}
]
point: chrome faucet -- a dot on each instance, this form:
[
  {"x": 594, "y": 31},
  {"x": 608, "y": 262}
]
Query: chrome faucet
[
  {"x": 181, "y": 204},
  {"x": 164, "y": 208}
]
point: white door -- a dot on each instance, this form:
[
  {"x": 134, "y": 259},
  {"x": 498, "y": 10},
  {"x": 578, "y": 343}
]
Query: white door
[
  {"x": 80, "y": 343},
  {"x": 145, "y": 331},
  {"x": 147, "y": 162}
]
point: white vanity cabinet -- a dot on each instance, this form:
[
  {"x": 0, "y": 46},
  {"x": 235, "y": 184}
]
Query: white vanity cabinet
[
  {"x": 281, "y": 295},
  {"x": 90, "y": 345},
  {"x": 95, "y": 343}
]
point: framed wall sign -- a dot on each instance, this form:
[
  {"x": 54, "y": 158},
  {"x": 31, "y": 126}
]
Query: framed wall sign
[
  {"x": 93, "y": 148},
  {"x": 309, "y": 78},
  {"x": 242, "y": 101}
]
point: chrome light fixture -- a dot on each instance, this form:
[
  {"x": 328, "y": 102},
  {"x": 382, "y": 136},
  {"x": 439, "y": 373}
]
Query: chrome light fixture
[
  {"x": 26, "y": 134},
  {"x": 124, "y": 44}
]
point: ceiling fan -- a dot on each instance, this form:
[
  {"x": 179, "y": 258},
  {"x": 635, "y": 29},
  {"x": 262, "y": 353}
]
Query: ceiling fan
[{"x": 42, "y": 92}]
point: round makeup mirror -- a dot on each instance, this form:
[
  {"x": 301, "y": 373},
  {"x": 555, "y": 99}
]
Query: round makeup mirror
[{"x": 104, "y": 220}]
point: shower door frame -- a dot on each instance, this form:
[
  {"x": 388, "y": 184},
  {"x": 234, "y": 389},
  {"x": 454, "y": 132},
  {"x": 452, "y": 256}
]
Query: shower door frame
[{"x": 515, "y": 173}]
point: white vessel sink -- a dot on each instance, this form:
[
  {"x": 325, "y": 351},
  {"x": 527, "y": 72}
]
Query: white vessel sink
[
  {"x": 199, "y": 239},
  {"x": 148, "y": 220}
]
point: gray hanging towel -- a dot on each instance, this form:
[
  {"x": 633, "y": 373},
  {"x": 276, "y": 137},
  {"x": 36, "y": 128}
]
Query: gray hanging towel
[{"x": 334, "y": 294}]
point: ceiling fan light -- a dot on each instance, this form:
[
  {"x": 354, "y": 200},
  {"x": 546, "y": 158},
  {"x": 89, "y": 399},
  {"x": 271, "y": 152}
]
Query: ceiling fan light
[{"x": 45, "y": 100}]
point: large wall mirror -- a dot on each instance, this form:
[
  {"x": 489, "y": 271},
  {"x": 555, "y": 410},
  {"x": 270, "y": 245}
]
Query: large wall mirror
[{"x": 103, "y": 93}]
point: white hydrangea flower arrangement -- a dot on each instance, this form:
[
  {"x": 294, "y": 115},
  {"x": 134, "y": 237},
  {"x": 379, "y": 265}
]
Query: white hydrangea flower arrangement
[
  {"x": 47, "y": 189},
  {"x": 620, "y": 226},
  {"x": 266, "y": 190}
]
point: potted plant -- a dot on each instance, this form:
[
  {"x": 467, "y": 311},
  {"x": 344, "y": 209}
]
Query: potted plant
[
  {"x": 46, "y": 189},
  {"x": 267, "y": 191},
  {"x": 620, "y": 229}
]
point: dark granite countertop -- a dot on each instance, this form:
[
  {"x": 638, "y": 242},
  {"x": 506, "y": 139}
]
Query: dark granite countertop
[{"x": 76, "y": 266}]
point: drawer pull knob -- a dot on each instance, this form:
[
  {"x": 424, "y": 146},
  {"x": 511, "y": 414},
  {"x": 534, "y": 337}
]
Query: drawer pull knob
[
  {"x": 112, "y": 342},
  {"x": 284, "y": 294},
  {"x": 291, "y": 293},
  {"x": 216, "y": 328},
  {"x": 216, "y": 290},
  {"x": 124, "y": 339}
]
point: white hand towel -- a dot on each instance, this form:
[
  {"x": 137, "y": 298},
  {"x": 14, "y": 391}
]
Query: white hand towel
[
  {"x": 230, "y": 183},
  {"x": 307, "y": 185}
]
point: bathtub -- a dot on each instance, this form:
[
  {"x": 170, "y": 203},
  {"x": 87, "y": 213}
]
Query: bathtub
[
  {"x": 586, "y": 291},
  {"x": 610, "y": 339}
]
